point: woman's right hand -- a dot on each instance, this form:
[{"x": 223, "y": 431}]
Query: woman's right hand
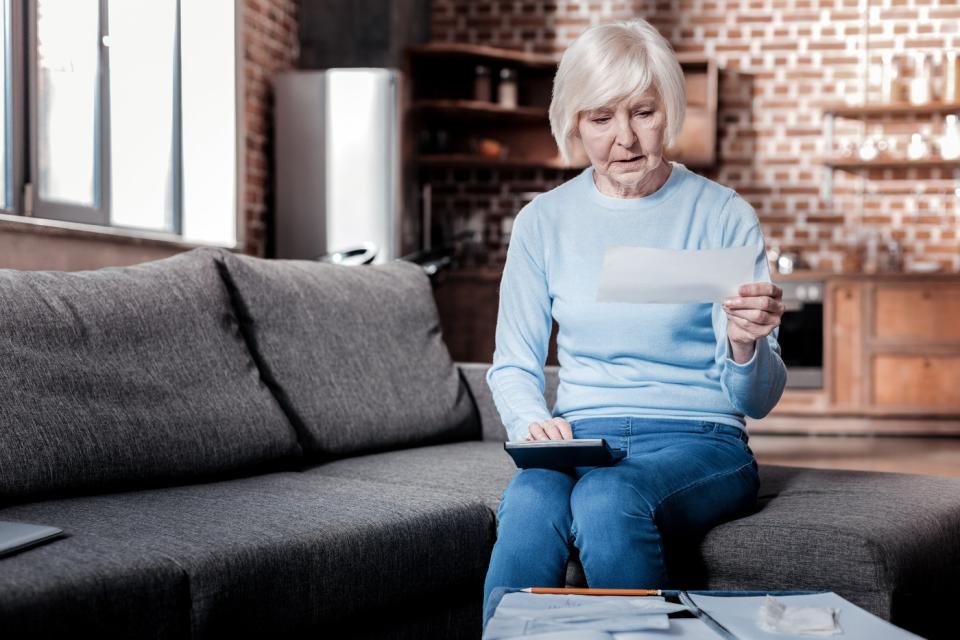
[{"x": 553, "y": 429}]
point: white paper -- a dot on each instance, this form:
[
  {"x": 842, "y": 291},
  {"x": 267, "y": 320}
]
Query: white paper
[
  {"x": 740, "y": 617},
  {"x": 644, "y": 275},
  {"x": 530, "y": 615}
]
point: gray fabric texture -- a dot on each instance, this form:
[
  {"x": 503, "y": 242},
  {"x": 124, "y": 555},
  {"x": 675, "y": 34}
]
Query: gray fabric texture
[
  {"x": 281, "y": 553},
  {"x": 92, "y": 586},
  {"x": 845, "y": 530},
  {"x": 127, "y": 376},
  {"x": 354, "y": 354},
  {"x": 474, "y": 374},
  {"x": 472, "y": 470}
]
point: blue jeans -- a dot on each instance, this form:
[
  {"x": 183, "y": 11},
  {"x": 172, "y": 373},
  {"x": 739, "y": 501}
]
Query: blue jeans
[{"x": 678, "y": 478}]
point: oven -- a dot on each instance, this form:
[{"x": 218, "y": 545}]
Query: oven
[{"x": 801, "y": 333}]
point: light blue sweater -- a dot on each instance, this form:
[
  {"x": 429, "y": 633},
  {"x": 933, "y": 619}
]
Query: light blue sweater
[{"x": 666, "y": 361}]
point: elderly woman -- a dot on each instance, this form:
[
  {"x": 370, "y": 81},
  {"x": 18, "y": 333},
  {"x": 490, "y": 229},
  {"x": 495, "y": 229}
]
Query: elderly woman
[{"x": 669, "y": 384}]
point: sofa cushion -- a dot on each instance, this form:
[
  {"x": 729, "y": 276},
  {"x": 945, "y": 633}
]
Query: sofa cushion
[
  {"x": 847, "y": 528},
  {"x": 476, "y": 470},
  {"x": 126, "y": 376},
  {"x": 282, "y": 553},
  {"x": 354, "y": 353},
  {"x": 93, "y": 584}
]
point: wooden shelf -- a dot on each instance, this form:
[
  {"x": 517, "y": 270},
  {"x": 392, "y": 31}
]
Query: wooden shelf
[
  {"x": 468, "y": 160},
  {"x": 897, "y": 108},
  {"x": 891, "y": 163},
  {"x": 478, "y": 109},
  {"x": 443, "y": 49}
]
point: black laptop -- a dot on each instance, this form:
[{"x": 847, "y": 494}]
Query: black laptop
[{"x": 17, "y": 536}]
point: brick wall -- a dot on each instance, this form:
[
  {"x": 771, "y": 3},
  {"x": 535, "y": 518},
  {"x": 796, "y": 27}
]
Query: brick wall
[
  {"x": 270, "y": 45},
  {"x": 780, "y": 61}
]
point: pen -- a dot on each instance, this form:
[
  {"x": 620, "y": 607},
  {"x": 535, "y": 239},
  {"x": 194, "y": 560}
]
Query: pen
[
  {"x": 594, "y": 592},
  {"x": 709, "y": 620}
]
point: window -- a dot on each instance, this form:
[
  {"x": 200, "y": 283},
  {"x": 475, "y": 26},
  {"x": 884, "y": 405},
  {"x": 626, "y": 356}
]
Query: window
[
  {"x": 132, "y": 115},
  {"x": 6, "y": 123}
]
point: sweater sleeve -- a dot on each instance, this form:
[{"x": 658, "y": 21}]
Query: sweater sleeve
[
  {"x": 524, "y": 321},
  {"x": 754, "y": 387}
]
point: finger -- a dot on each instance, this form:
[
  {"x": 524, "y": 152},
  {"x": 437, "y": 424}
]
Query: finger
[
  {"x": 750, "y": 329},
  {"x": 741, "y": 330},
  {"x": 756, "y": 316},
  {"x": 536, "y": 431},
  {"x": 760, "y": 289},
  {"x": 565, "y": 429},
  {"x": 552, "y": 431},
  {"x": 765, "y": 303}
]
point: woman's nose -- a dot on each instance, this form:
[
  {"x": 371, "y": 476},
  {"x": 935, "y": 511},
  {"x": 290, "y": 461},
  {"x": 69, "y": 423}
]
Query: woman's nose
[{"x": 625, "y": 133}]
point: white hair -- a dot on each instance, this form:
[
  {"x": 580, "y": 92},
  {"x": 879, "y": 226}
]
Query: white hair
[{"x": 611, "y": 62}]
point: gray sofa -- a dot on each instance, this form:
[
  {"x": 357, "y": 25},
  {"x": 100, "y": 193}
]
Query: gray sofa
[{"x": 239, "y": 447}]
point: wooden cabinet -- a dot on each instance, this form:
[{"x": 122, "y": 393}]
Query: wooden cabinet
[
  {"x": 920, "y": 311},
  {"x": 922, "y": 383},
  {"x": 468, "y": 301},
  {"x": 843, "y": 361},
  {"x": 891, "y": 359},
  {"x": 914, "y": 343}
]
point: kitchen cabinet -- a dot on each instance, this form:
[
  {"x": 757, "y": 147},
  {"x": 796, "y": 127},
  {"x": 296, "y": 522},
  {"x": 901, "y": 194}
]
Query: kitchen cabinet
[
  {"x": 916, "y": 383},
  {"x": 892, "y": 359}
]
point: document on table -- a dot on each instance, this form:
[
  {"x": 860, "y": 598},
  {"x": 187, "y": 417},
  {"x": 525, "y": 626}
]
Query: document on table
[
  {"x": 740, "y": 616},
  {"x": 645, "y": 275},
  {"x": 555, "y": 617},
  {"x": 574, "y": 617}
]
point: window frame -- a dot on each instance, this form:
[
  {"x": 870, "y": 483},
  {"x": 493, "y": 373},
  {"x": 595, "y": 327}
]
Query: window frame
[
  {"x": 16, "y": 108},
  {"x": 23, "y": 75}
]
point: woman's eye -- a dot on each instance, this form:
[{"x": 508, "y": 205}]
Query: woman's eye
[
  {"x": 601, "y": 120},
  {"x": 644, "y": 114}
]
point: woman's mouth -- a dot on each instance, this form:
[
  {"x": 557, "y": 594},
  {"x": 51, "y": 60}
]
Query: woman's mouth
[{"x": 630, "y": 160}]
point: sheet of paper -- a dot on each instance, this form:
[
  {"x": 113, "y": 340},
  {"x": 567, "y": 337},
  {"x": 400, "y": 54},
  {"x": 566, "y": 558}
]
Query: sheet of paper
[
  {"x": 680, "y": 629},
  {"x": 644, "y": 275},
  {"x": 550, "y": 616},
  {"x": 740, "y": 617}
]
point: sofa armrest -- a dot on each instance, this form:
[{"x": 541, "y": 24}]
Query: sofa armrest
[{"x": 474, "y": 373}]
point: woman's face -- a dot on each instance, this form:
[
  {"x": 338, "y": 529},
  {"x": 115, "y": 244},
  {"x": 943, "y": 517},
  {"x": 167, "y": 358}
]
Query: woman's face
[{"x": 624, "y": 141}]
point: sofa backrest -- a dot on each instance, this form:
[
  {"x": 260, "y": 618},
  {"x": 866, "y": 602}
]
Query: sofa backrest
[
  {"x": 354, "y": 354},
  {"x": 128, "y": 376}
]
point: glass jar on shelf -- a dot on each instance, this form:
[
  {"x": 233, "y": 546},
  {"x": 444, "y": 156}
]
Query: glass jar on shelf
[
  {"x": 920, "y": 83},
  {"x": 889, "y": 78},
  {"x": 951, "y": 79},
  {"x": 949, "y": 142},
  {"x": 482, "y": 84},
  {"x": 868, "y": 149},
  {"x": 507, "y": 89},
  {"x": 918, "y": 149}
]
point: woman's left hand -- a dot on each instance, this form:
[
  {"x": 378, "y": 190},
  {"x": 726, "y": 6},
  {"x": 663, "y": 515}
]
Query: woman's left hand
[{"x": 752, "y": 315}]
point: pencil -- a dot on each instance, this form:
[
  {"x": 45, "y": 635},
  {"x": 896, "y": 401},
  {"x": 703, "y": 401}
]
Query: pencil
[{"x": 594, "y": 592}]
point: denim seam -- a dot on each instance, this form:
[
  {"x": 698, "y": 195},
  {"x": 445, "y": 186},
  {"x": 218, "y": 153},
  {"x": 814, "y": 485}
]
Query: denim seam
[{"x": 699, "y": 482}]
